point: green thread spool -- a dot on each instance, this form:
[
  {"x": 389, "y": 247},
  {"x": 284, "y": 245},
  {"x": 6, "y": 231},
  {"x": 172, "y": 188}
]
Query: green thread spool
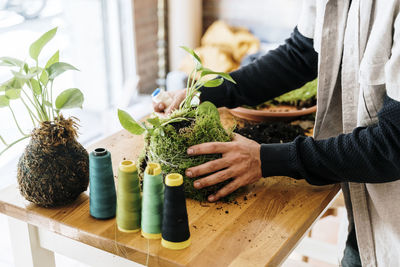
[
  {"x": 175, "y": 225},
  {"x": 129, "y": 201},
  {"x": 103, "y": 198},
  {"x": 152, "y": 203}
]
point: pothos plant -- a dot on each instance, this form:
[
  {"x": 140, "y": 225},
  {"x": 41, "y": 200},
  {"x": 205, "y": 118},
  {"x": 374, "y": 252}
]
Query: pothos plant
[
  {"x": 54, "y": 167},
  {"x": 167, "y": 139}
]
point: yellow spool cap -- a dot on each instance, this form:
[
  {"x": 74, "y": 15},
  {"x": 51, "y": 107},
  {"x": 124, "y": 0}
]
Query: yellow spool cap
[
  {"x": 151, "y": 236},
  {"x": 128, "y": 231},
  {"x": 175, "y": 245},
  {"x": 174, "y": 179},
  {"x": 153, "y": 169},
  {"x": 127, "y": 166}
]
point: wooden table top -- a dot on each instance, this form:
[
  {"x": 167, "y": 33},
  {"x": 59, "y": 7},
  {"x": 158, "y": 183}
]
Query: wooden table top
[{"x": 261, "y": 228}]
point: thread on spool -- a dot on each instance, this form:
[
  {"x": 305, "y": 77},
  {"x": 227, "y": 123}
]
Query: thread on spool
[
  {"x": 129, "y": 200},
  {"x": 103, "y": 198},
  {"x": 175, "y": 224},
  {"x": 152, "y": 202}
]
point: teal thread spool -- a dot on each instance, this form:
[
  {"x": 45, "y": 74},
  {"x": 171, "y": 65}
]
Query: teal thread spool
[
  {"x": 129, "y": 201},
  {"x": 152, "y": 203},
  {"x": 103, "y": 198}
]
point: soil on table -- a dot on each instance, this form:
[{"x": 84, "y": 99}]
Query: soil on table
[{"x": 271, "y": 132}]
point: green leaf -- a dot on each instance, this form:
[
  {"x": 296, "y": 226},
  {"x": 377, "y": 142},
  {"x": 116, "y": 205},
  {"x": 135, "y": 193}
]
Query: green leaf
[
  {"x": 10, "y": 61},
  {"x": 214, "y": 83},
  {"x": 44, "y": 78},
  {"x": 194, "y": 55},
  {"x": 36, "y": 87},
  {"x": 26, "y": 68},
  {"x": 224, "y": 75},
  {"x": 13, "y": 93},
  {"x": 207, "y": 108},
  {"x": 69, "y": 98},
  {"x": 58, "y": 68},
  {"x": 4, "y": 101},
  {"x": 129, "y": 123},
  {"x": 154, "y": 121},
  {"x": 35, "y": 70},
  {"x": 22, "y": 76},
  {"x": 37, "y": 46},
  {"x": 11, "y": 83},
  {"x": 53, "y": 59}
]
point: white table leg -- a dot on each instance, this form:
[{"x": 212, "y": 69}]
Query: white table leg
[{"x": 25, "y": 245}]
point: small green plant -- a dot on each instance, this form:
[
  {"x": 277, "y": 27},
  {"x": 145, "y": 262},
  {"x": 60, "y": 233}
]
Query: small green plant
[
  {"x": 198, "y": 78},
  {"x": 33, "y": 86},
  {"x": 167, "y": 139}
]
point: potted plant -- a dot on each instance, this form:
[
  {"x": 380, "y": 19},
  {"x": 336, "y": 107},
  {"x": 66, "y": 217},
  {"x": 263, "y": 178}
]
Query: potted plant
[
  {"x": 53, "y": 170},
  {"x": 167, "y": 139}
]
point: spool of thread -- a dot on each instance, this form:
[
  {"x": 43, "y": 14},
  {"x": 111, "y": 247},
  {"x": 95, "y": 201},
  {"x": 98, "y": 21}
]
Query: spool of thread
[
  {"x": 103, "y": 198},
  {"x": 152, "y": 203},
  {"x": 175, "y": 225},
  {"x": 129, "y": 201}
]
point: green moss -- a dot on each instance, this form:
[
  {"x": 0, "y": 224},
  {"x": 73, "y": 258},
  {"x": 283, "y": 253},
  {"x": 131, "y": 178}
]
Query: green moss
[
  {"x": 304, "y": 96},
  {"x": 307, "y": 91},
  {"x": 167, "y": 145}
]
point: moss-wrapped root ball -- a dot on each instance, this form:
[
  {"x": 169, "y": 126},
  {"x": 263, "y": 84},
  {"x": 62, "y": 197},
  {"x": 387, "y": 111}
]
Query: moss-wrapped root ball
[
  {"x": 169, "y": 147},
  {"x": 54, "y": 168}
]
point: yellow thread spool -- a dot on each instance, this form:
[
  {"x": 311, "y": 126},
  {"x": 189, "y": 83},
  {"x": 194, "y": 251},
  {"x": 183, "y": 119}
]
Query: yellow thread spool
[{"x": 129, "y": 200}]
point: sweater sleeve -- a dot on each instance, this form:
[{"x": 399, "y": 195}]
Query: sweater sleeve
[
  {"x": 281, "y": 70},
  {"x": 367, "y": 155}
]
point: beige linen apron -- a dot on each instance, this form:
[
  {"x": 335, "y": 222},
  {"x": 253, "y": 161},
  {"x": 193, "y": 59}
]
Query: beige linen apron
[{"x": 359, "y": 62}]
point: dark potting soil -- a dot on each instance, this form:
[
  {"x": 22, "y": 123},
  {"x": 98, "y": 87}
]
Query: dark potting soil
[
  {"x": 270, "y": 132},
  {"x": 299, "y": 104},
  {"x": 180, "y": 124}
]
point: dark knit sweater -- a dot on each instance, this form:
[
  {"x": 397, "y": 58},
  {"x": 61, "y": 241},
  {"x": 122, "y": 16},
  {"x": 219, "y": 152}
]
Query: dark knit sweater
[{"x": 368, "y": 154}]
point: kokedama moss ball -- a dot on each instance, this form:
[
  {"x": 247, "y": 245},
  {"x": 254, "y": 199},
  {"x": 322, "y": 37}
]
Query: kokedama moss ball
[
  {"x": 168, "y": 146},
  {"x": 54, "y": 168}
]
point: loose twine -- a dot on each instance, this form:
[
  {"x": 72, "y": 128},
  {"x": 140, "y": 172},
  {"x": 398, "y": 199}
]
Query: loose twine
[
  {"x": 159, "y": 159},
  {"x": 121, "y": 251}
]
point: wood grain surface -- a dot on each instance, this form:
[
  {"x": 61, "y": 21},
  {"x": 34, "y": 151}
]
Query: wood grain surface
[{"x": 260, "y": 228}]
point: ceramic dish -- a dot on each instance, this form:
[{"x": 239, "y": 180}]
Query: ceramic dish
[{"x": 279, "y": 113}]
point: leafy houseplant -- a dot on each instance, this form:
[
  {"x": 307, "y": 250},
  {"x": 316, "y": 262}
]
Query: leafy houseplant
[
  {"x": 53, "y": 170},
  {"x": 167, "y": 139}
]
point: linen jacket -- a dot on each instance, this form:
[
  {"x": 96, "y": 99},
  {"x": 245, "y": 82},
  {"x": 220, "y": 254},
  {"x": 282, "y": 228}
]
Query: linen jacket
[{"x": 358, "y": 43}]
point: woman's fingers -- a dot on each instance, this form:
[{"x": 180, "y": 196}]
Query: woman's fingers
[
  {"x": 158, "y": 107},
  {"x": 226, "y": 190},
  {"x": 209, "y": 148},
  {"x": 208, "y": 167},
  {"x": 177, "y": 100},
  {"x": 214, "y": 178}
]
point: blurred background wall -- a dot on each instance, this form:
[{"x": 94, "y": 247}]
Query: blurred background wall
[{"x": 121, "y": 47}]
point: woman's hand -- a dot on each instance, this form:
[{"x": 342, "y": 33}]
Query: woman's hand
[
  {"x": 177, "y": 97},
  {"x": 240, "y": 161}
]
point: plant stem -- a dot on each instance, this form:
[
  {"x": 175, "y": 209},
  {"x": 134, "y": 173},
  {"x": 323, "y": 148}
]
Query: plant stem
[
  {"x": 51, "y": 100},
  {"x": 16, "y": 122},
  {"x": 30, "y": 112},
  {"x": 175, "y": 119},
  {"x": 190, "y": 89},
  {"x": 188, "y": 80},
  {"x": 13, "y": 143},
  {"x": 34, "y": 105},
  {"x": 40, "y": 105},
  {"x": 3, "y": 141}
]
